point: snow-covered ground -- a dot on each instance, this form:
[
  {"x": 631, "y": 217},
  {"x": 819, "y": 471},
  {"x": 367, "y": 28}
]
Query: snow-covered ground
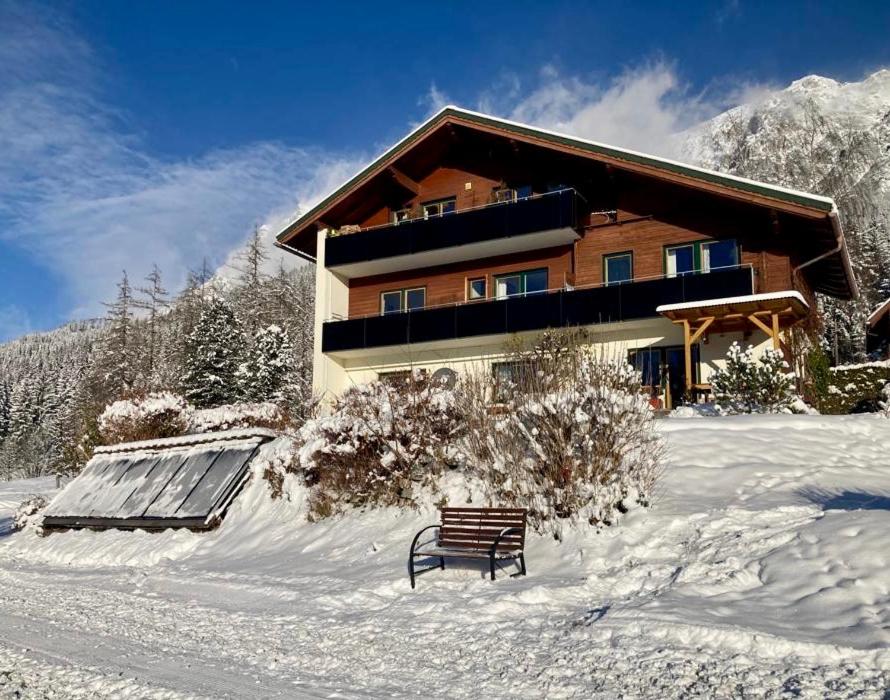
[{"x": 761, "y": 570}]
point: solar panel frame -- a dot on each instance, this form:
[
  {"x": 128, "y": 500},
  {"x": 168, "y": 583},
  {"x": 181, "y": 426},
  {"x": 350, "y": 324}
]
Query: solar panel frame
[{"x": 172, "y": 487}]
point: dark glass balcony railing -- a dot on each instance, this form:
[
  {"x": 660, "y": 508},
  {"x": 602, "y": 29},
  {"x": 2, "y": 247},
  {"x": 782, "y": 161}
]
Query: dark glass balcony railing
[
  {"x": 546, "y": 212},
  {"x": 555, "y": 309}
]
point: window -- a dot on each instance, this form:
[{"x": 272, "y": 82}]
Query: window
[
  {"x": 512, "y": 376},
  {"x": 395, "y": 378},
  {"x": 438, "y": 208},
  {"x": 401, "y": 215},
  {"x": 398, "y": 300},
  {"x": 415, "y": 298},
  {"x": 476, "y": 289},
  {"x": 719, "y": 254},
  {"x": 505, "y": 194},
  {"x": 521, "y": 283},
  {"x": 700, "y": 257},
  {"x": 680, "y": 260},
  {"x": 618, "y": 268}
]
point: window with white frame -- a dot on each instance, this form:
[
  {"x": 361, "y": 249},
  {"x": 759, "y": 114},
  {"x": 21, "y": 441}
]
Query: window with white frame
[
  {"x": 398, "y": 300},
  {"x": 439, "y": 207}
]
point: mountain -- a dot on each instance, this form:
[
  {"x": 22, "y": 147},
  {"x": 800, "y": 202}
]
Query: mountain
[{"x": 827, "y": 137}]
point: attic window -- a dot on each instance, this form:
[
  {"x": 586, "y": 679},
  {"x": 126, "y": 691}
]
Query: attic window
[
  {"x": 400, "y": 215},
  {"x": 439, "y": 207}
]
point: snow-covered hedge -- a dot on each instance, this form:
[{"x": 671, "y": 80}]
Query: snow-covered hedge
[
  {"x": 855, "y": 388},
  {"x": 238, "y": 415},
  {"x": 751, "y": 385},
  {"x": 574, "y": 437},
  {"x": 885, "y": 402},
  {"x": 380, "y": 440},
  {"x": 157, "y": 415}
]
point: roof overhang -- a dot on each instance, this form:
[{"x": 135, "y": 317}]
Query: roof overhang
[
  {"x": 879, "y": 313},
  {"x": 727, "y": 312},
  {"x": 300, "y": 236}
]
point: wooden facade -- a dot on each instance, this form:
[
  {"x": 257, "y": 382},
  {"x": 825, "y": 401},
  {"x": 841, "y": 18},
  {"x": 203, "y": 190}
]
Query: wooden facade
[{"x": 648, "y": 217}]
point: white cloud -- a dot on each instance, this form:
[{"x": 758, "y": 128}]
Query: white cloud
[
  {"x": 78, "y": 190},
  {"x": 642, "y": 108}
]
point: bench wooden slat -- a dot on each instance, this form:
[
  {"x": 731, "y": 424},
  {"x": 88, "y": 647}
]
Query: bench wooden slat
[
  {"x": 471, "y": 533},
  {"x": 445, "y": 534}
]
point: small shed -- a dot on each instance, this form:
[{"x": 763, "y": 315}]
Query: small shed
[{"x": 186, "y": 481}]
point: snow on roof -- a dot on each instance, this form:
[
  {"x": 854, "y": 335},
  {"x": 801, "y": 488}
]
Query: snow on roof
[
  {"x": 881, "y": 309},
  {"x": 237, "y": 435},
  {"x": 705, "y": 303}
]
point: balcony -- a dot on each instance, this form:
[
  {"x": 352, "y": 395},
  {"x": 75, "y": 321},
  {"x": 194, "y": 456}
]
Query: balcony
[
  {"x": 539, "y": 221},
  {"x": 554, "y": 309}
]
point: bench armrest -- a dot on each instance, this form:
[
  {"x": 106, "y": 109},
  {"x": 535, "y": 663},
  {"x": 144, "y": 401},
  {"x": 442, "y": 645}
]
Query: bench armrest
[
  {"x": 417, "y": 536},
  {"x": 503, "y": 533}
]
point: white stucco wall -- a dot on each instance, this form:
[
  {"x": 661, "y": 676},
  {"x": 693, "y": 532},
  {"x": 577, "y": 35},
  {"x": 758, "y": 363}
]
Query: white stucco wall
[{"x": 615, "y": 340}]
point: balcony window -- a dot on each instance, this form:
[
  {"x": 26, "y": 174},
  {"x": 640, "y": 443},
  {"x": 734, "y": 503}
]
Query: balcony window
[
  {"x": 476, "y": 289},
  {"x": 398, "y": 300},
  {"x": 439, "y": 207},
  {"x": 521, "y": 283},
  {"x": 505, "y": 194},
  {"x": 719, "y": 254},
  {"x": 680, "y": 260},
  {"x": 700, "y": 257},
  {"x": 618, "y": 268}
]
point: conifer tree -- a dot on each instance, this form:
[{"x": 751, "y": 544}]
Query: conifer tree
[
  {"x": 116, "y": 362},
  {"x": 213, "y": 354},
  {"x": 265, "y": 374}
]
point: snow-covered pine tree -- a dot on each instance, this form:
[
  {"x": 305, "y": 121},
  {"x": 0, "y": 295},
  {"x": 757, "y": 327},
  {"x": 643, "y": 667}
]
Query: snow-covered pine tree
[
  {"x": 214, "y": 350},
  {"x": 155, "y": 301},
  {"x": 267, "y": 370},
  {"x": 750, "y": 385}
]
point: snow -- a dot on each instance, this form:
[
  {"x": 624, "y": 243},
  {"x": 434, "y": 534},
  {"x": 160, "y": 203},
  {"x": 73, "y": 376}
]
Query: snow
[
  {"x": 766, "y": 296},
  {"x": 760, "y": 570},
  {"x": 188, "y": 440}
]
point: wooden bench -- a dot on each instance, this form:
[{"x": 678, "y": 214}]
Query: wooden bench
[{"x": 496, "y": 534}]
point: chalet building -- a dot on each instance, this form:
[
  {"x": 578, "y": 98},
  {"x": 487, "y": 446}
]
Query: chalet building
[{"x": 473, "y": 228}]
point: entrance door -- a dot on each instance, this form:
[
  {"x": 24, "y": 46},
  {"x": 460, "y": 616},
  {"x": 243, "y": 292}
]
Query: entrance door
[{"x": 664, "y": 370}]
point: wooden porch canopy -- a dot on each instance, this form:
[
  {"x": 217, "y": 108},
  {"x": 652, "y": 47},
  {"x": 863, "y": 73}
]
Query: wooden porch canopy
[{"x": 769, "y": 313}]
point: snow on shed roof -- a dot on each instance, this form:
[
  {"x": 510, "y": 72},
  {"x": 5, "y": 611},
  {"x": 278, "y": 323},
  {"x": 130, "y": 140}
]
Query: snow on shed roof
[
  {"x": 237, "y": 434},
  {"x": 747, "y": 298}
]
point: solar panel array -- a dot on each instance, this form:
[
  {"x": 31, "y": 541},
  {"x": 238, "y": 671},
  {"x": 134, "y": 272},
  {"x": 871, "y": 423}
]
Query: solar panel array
[{"x": 158, "y": 489}]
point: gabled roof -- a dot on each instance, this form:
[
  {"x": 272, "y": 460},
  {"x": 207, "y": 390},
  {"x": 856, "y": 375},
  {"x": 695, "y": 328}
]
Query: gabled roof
[{"x": 299, "y": 235}]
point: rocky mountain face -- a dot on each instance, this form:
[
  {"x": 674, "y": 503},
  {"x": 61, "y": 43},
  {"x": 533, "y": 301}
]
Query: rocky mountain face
[{"x": 826, "y": 137}]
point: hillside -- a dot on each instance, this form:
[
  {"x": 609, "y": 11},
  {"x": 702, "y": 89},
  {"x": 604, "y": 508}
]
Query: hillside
[{"x": 760, "y": 571}]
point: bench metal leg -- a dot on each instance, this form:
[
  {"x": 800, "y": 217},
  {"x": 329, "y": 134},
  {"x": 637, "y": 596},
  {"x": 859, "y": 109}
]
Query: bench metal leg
[
  {"x": 411, "y": 569},
  {"x": 491, "y": 564},
  {"x": 442, "y": 563},
  {"x": 522, "y": 563}
]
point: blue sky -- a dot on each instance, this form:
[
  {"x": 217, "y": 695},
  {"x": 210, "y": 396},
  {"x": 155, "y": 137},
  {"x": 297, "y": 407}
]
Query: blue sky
[{"x": 144, "y": 132}]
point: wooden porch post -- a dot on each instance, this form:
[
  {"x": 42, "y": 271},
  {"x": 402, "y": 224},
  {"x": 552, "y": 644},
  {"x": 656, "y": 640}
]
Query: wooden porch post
[
  {"x": 775, "y": 319},
  {"x": 687, "y": 348}
]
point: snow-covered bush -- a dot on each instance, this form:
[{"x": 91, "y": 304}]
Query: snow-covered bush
[
  {"x": 572, "y": 438},
  {"x": 885, "y": 404},
  {"x": 156, "y": 415},
  {"x": 28, "y": 511},
  {"x": 855, "y": 388},
  {"x": 238, "y": 415},
  {"x": 751, "y": 385},
  {"x": 380, "y": 439}
]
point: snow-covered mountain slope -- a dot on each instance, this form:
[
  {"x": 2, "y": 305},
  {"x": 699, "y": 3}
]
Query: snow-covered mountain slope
[
  {"x": 818, "y": 134},
  {"x": 760, "y": 571}
]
